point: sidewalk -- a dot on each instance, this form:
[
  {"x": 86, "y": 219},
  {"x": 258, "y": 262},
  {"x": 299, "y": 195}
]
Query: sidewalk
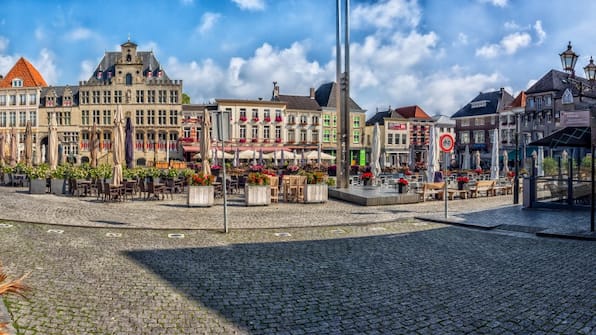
[{"x": 17, "y": 204}]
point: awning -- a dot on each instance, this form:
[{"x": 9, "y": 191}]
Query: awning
[
  {"x": 579, "y": 137},
  {"x": 190, "y": 148}
]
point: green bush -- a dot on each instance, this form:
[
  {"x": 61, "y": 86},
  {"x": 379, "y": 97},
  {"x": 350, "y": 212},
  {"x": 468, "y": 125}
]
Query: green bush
[{"x": 549, "y": 165}]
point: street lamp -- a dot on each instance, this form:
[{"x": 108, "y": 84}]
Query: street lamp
[
  {"x": 568, "y": 60},
  {"x": 516, "y": 166}
]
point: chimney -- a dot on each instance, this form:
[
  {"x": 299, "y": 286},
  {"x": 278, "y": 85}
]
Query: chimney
[{"x": 312, "y": 92}]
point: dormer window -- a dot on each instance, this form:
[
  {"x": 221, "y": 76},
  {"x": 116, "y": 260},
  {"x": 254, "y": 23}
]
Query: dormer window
[
  {"x": 17, "y": 82},
  {"x": 567, "y": 97},
  {"x": 478, "y": 104}
]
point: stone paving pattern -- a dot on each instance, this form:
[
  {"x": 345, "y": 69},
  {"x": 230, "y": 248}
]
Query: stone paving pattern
[{"x": 374, "y": 271}]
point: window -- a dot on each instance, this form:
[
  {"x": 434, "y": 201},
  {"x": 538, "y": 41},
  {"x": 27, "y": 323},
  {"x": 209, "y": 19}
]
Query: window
[
  {"x": 67, "y": 101},
  {"x": 334, "y": 135},
  {"x": 326, "y": 120},
  {"x": 404, "y": 139},
  {"x": 13, "y": 100},
  {"x": 357, "y": 124},
  {"x": 150, "y": 117},
  {"x": 567, "y": 97},
  {"x": 95, "y": 97},
  {"x": 291, "y": 136},
  {"x": 96, "y": 117},
  {"x": 162, "y": 96},
  {"x": 22, "y": 99},
  {"x": 479, "y": 136},
  {"x": 128, "y": 78},
  {"x": 107, "y": 97},
  {"x": 2, "y": 119},
  {"x": 140, "y": 117},
  {"x": 140, "y": 96},
  {"x": 315, "y": 120},
  {"x": 12, "y": 119},
  {"x": 314, "y": 136},
  {"x": 464, "y": 137},
  {"x": 303, "y": 136},
  {"x": 33, "y": 118},
  {"x": 243, "y": 132},
  {"x": 479, "y": 121},
  {"x": 303, "y": 119},
  {"x": 291, "y": 119},
  {"x": 326, "y": 135},
  {"x": 85, "y": 117},
  {"x": 389, "y": 138},
  {"x": 22, "y": 119},
  {"x": 174, "y": 97},
  {"x": 17, "y": 82},
  {"x": 107, "y": 117},
  {"x": 356, "y": 136},
  {"x": 548, "y": 100},
  {"x": 173, "y": 117},
  {"x": 151, "y": 96},
  {"x": 255, "y": 132},
  {"x": 161, "y": 117},
  {"x": 465, "y": 122},
  {"x": 118, "y": 97},
  {"x": 66, "y": 118},
  {"x": 2, "y": 100},
  {"x": 267, "y": 114},
  {"x": 186, "y": 132},
  {"x": 243, "y": 114},
  {"x": 255, "y": 114},
  {"x": 278, "y": 133},
  {"x": 278, "y": 115},
  {"x": 530, "y": 102},
  {"x": 266, "y": 132}
]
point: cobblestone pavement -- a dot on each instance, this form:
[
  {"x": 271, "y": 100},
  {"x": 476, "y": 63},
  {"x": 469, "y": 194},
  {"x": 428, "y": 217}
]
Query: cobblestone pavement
[
  {"x": 403, "y": 277},
  {"x": 17, "y": 204}
]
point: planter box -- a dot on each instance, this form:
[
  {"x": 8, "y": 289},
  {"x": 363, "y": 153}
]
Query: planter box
[
  {"x": 200, "y": 196},
  {"x": 37, "y": 186},
  {"x": 315, "y": 193},
  {"x": 57, "y": 186},
  {"x": 255, "y": 195}
]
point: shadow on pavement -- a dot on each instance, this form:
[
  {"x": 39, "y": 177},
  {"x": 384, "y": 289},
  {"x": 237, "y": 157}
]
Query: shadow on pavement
[{"x": 398, "y": 283}]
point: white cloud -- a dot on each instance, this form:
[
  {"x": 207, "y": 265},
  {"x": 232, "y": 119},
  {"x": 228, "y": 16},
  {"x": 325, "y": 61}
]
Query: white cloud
[
  {"x": 489, "y": 51},
  {"x": 79, "y": 34},
  {"x": 386, "y": 14},
  {"x": 46, "y": 65},
  {"x": 186, "y": 2},
  {"x": 511, "y": 25},
  {"x": 255, "y": 5},
  {"x": 539, "y": 32},
  {"x": 508, "y": 45},
  {"x": 40, "y": 34},
  {"x": 208, "y": 20},
  {"x": 87, "y": 68},
  {"x": 497, "y": 3},
  {"x": 3, "y": 43},
  {"x": 462, "y": 38}
]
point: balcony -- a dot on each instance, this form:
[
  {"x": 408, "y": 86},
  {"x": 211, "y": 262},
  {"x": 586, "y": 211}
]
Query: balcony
[
  {"x": 278, "y": 140},
  {"x": 303, "y": 124},
  {"x": 278, "y": 119},
  {"x": 243, "y": 119},
  {"x": 267, "y": 119},
  {"x": 242, "y": 140}
]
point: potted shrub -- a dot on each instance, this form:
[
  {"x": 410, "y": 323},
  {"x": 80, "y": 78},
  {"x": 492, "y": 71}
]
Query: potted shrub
[
  {"x": 315, "y": 190},
  {"x": 200, "y": 190},
  {"x": 37, "y": 178},
  {"x": 257, "y": 191},
  {"x": 462, "y": 181},
  {"x": 7, "y": 172},
  {"x": 58, "y": 177},
  {"x": 402, "y": 185}
]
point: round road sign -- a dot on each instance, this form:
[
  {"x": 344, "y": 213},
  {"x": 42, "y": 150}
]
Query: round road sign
[{"x": 446, "y": 142}]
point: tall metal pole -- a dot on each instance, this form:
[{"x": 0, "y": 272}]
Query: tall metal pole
[
  {"x": 516, "y": 177},
  {"x": 346, "y": 98},
  {"x": 223, "y": 168},
  {"x": 592, "y": 207},
  {"x": 342, "y": 181}
]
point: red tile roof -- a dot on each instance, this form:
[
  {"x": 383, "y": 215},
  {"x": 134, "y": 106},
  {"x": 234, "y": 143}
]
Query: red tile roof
[
  {"x": 25, "y": 71},
  {"x": 519, "y": 101},
  {"x": 410, "y": 112}
]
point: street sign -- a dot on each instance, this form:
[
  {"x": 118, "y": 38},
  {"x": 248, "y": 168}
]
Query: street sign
[
  {"x": 221, "y": 130},
  {"x": 446, "y": 142}
]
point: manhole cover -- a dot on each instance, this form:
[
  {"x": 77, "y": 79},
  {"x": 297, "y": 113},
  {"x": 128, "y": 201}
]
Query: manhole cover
[
  {"x": 5, "y": 225},
  {"x": 113, "y": 234},
  {"x": 55, "y": 231},
  {"x": 283, "y": 234},
  {"x": 176, "y": 235}
]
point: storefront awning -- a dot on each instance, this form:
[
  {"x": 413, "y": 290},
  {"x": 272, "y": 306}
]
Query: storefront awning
[
  {"x": 191, "y": 148},
  {"x": 579, "y": 137}
]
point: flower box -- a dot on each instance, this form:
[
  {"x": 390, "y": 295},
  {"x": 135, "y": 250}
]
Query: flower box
[
  {"x": 254, "y": 140},
  {"x": 243, "y": 119},
  {"x": 267, "y": 119},
  {"x": 278, "y": 140},
  {"x": 278, "y": 119},
  {"x": 315, "y": 193},
  {"x": 37, "y": 186},
  {"x": 200, "y": 196},
  {"x": 242, "y": 140},
  {"x": 257, "y": 195},
  {"x": 255, "y": 119},
  {"x": 57, "y": 186}
]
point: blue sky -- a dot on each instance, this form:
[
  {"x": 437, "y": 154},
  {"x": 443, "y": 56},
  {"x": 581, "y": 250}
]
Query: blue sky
[{"x": 432, "y": 53}]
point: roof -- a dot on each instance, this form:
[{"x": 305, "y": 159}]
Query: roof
[
  {"x": 25, "y": 71},
  {"x": 299, "y": 102},
  {"x": 566, "y": 137},
  {"x": 326, "y": 97},
  {"x": 109, "y": 60},
  {"x": 519, "y": 101},
  {"x": 60, "y": 93},
  {"x": 412, "y": 112},
  {"x": 485, "y": 104},
  {"x": 379, "y": 118},
  {"x": 558, "y": 81}
]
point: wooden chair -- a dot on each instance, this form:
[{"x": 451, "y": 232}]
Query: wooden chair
[
  {"x": 274, "y": 184},
  {"x": 300, "y": 186},
  {"x": 111, "y": 192},
  {"x": 290, "y": 188}
]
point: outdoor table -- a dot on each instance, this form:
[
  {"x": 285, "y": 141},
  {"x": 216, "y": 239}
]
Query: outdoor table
[{"x": 84, "y": 185}]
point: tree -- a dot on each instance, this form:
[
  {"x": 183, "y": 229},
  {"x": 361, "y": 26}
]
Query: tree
[{"x": 185, "y": 99}]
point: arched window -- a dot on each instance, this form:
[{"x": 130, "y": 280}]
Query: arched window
[
  {"x": 128, "y": 58},
  {"x": 128, "y": 79}
]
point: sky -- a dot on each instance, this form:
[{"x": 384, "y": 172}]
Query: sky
[{"x": 435, "y": 54}]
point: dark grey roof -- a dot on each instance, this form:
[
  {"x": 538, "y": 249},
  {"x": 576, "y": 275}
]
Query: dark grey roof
[
  {"x": 558, "y": 82},
  {"x": 108, "y": 62},
  {"x": 379, "y": 118},
  {"x": 491, "y": 106},
  {"x": 60, "y": 93},
  {"x": 299, "y": 102},
  {"x": 325, "y": 96}
]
